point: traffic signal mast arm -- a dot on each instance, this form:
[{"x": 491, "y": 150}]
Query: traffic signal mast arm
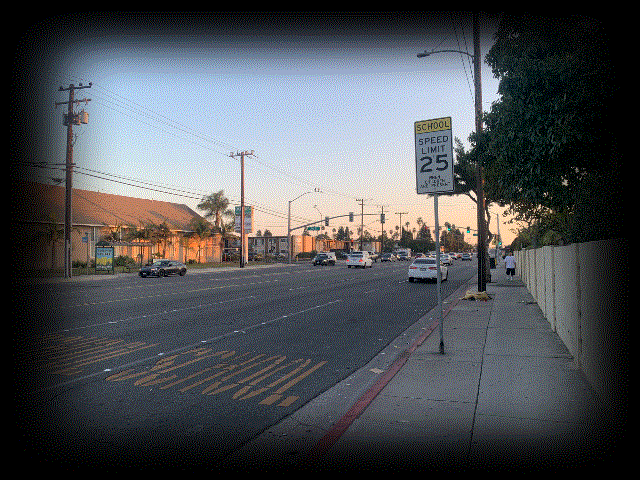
[{"x": 328, "y": 218}]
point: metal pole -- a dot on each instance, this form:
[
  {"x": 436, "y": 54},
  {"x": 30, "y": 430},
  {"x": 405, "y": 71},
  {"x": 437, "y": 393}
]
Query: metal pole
[{"x": 439, "y": 274}]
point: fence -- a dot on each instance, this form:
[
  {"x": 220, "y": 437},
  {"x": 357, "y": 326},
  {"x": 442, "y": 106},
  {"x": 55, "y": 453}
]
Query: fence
[{"x": 582, "y": 290}]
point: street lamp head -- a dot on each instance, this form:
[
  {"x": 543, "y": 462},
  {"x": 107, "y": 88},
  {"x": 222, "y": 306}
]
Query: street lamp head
[{"x": 423, "y": 54}]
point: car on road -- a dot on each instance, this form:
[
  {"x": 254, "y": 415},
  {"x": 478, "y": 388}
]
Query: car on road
[
  {"x": 387, "y": 257},
  {"x": 402, "y": 256},
  {"x": 359, "y": 259},
  {"x": 163, "y": 268},
  {"x": 325, "y": 259},
  {"x": 374, "y": 256},
  {"x": 466, "y": 256},
  {"x": 425, "y": 269},
  {"x": 445, "y": 259}
]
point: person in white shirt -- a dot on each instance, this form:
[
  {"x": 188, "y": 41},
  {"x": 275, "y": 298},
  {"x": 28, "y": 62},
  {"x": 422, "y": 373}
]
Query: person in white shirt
[{"x": 510, "y": 263}]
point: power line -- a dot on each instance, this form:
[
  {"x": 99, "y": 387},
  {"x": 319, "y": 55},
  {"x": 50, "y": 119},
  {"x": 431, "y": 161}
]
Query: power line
[{"x": 136, "y": 109}]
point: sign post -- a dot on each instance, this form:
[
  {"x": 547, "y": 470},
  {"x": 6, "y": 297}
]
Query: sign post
[{"x": 434, "y": 175}]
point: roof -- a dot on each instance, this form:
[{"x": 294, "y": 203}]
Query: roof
[{"x": 39, "y": 202}]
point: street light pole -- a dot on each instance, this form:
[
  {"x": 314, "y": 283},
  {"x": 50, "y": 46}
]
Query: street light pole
[
  {"x": 289, "y": 246},
  {"x": 482, "y": 247}
]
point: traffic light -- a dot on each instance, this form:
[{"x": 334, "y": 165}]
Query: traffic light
[
  {"x": 382, "y": 218},
  {"x": 351, "y": 216},
  {"x": 326, "y": 221},
  {"x": 468, "y": 230}
]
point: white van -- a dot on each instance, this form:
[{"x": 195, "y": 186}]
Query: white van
[{"x": 359, "y": 259}]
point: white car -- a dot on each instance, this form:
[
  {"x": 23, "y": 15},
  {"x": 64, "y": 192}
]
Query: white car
[
  {"x": 445, "y": 259},
  {"x": 425, "y": 269},
  {"x": 359, "y": 259}
]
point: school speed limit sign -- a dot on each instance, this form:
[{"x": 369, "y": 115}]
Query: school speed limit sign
[{"x": 434, "y": 156}]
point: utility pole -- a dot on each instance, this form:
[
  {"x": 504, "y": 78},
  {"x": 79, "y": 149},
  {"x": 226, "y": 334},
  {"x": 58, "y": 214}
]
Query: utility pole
[
  {"x": 401, "y": 228},
  {"x": 69, "y": 120},
  {"x": 382, "y": 221},
  {"x": 361, "y": 200},
  {"x": 482, "y": 229},
  {"x": 243, "y": 240}
]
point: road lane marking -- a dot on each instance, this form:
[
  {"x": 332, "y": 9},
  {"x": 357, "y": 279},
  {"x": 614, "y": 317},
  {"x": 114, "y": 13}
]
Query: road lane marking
[
  {"x": 242, "y": 372},
  {"x": 71, "y": 371}
]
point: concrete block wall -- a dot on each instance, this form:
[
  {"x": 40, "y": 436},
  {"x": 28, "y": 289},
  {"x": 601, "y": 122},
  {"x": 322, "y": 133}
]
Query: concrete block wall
[{"x": 582, "y": 290}]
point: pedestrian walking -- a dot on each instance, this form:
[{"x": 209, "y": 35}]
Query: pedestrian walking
[{"x": 510, "y": 263}]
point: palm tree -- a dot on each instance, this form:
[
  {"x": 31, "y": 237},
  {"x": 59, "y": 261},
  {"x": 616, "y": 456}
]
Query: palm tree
[
  {"x": 141, "y": 234},
  {"x": 160, "y": 233},
  {"x": 215, "y": 205},
  {"x": 201, "y": 230}
]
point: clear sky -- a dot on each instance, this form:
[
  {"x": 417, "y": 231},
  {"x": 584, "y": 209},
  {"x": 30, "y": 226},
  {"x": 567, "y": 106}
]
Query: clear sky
[{"x": 324, "y": 101}]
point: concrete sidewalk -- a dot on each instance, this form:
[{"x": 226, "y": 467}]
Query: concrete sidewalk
[{"x": 506, "y": 395}]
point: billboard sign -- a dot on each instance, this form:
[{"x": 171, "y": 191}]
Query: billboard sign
[
  {"x": 104, "y": 259},
  {"x": 248, "y": 214}
]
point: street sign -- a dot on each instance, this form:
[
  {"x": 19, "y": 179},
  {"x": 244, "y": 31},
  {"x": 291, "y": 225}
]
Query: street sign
[
  {"x": 313, "y": 228},
  {"x": 434, "y": 156}
]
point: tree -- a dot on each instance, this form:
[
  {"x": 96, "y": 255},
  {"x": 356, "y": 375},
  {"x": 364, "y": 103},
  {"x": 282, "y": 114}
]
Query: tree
[
  {"x": 551, "y": 147},
  {"x": 215, "y": 205},
  {"x": 201, "y": 230},
  {"x": 140, "y": 234},
  {"x": 160, "y": 234}
]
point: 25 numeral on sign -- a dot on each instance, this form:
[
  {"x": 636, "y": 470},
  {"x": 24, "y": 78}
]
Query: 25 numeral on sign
[{"x": 441, "y": 163}]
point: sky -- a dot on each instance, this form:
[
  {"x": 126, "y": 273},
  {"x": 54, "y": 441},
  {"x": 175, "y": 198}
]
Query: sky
[{"x": 324, "y": 101}]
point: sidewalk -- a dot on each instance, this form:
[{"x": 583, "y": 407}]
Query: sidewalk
[{"x": 505, "y": 396}]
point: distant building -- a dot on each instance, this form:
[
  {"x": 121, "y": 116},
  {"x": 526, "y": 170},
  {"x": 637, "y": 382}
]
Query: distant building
[{"x": 106, "y": 218}]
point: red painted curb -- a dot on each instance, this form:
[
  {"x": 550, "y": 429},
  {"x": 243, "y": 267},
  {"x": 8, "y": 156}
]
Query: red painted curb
[{"x": 356, "y": 410}]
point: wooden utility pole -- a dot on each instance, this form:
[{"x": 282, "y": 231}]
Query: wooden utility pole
[
  {"x": 401, "y": 227},
  {"x": 482, "y": 227},
  {"x": 243, "y": 240},
  {"x": 69, "y": 120}
]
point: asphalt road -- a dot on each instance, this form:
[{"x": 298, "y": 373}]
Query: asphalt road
[{"x": 182, "y": 371}]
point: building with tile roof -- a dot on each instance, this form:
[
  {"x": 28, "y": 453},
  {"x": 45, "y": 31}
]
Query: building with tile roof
[{"x": 109, "y": 219}]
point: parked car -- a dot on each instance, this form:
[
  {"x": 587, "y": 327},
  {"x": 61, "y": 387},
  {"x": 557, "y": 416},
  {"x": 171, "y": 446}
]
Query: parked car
[
  {"x": 162, "y": 268},
  {"x": 325, "y": 259},
  {"x": 425, "y": 269},
  {"x": 374, "y": 256},
  {"x": 359, "y": 259},
  {"x": 254, "y": 256},
  {"x": 466, "y": 256},
  {"x": 387, "y": 257}
]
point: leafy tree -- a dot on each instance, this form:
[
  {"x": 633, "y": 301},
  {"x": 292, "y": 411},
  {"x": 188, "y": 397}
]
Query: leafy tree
[
  {"x": 550, "y": 148},
  {"x": 465, "y": 177}
]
